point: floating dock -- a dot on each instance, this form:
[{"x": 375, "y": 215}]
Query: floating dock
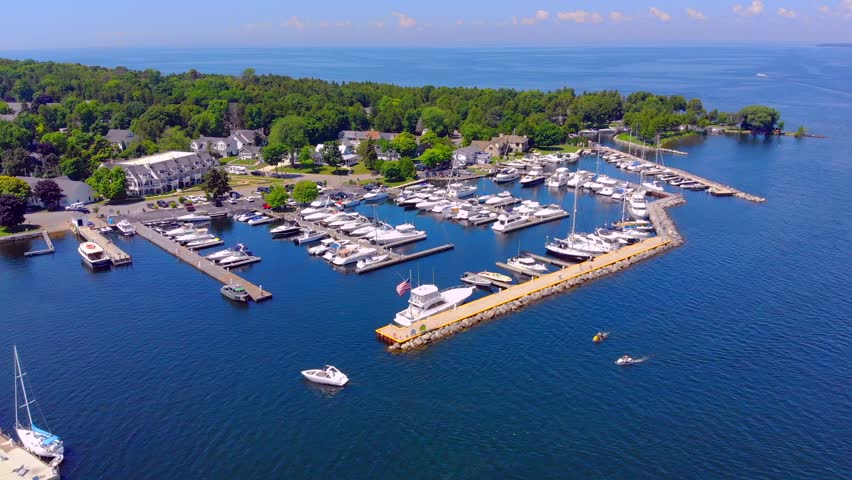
[
  {"x": 19, "y": 464},
  {"x": 44, "y": 251},
  {"x": 714, "y": 188},
  {"x": 396, "y": 259},
  {"x": 439, "y": 326},
  {"x": 532, "y": 223},
  {"x": 115, "y": 254},
  {"x": 522, "y": 271},
  {"x": 206, "y": 266}
]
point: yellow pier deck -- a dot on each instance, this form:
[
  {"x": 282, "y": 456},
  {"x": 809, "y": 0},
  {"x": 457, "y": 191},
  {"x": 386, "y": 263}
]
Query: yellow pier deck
[
  {"x": 116, "y": 255},
  {"x": 14, "y": 460}
]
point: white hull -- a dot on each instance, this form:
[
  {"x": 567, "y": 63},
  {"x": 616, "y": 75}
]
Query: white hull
[
  {"x": 450, "y": 299},
  {"x": 32, "y": 442},
  {"x": 343, "y": 259}
]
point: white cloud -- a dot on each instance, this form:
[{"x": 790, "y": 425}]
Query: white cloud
[
  {"x": 787, "y": 13},
  {"x": 542, "y": 15},
  {"x": 294, "y": 22},
  {"x": 663, "y": 16},
  {"x": 579, "y": 16},
  {"x": 756, "y": 8},
  {"x": 619, "y": 17},
  {"x": 404, "y": 20},
  {"x": 696, "y": 14}
]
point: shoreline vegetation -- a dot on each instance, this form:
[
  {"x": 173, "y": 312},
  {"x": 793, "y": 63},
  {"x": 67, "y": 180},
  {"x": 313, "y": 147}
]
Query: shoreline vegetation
[{"x": 70, "y": 119}]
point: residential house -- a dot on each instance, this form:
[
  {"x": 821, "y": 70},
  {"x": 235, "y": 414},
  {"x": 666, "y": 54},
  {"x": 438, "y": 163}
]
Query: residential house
[
  {"x": 120, "y": 138},
  {"x": 470, "y": 155},
  {"x": 387, "y": 155},
  {"x": 245, "y": 138},
  {"x": 222, "y": 146},
  {"x": 353, "y": 138},
  {"x": 249, "y": 152},
  {"x": 164, "y": 172},
  {"x": 72, "y": 191},
  {"x": 346, "y": 151}
]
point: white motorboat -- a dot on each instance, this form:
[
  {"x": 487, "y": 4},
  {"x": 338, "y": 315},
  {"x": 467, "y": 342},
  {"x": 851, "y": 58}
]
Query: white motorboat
[
  {"x": 308, "y": 235},
  {"x": 527, "y": 264},
  {"x": 322, "y": 247},
  {"x": 482, "y": 215},
  {"x": 375, "y": 195},
  {"x": 472, "y": 278},
  {"x": 204, "y": 243},
  {"x": 182, "y": 230},
  {"x": 399, "y": 234},
  {"x": 506, "y": 222},
  {"x": 606, "y": 181},
  {"x": 501, "y": 198},
  {"x": 93, "y": 255},
  {"x": 333, "y": 248},
  {"x": 319, "y": 215},
  {"x": 577, "y": 178},
  {"x": 549, "y": 211},
  {"x": 627, "y": 360},
  {"x": 606, "y": 191},
  {"x": 246, "y": 216},
  {"x": 260, "y": 220},
  {"x": 507, "y": 175},
  {"x": 337, "y": 215},
  {"x": 371, "y": 260},
  {"x": 359, "y": 222},
  {"x": 341, "y": 220},
  {"x": 579, "y": 247},
  {"x": 440, "y": 206},
  {"x": 237, "y": 293},
  {"x": 527, "y": 206},
  {"x": 637, "y": 207},
  {"x": 125, "y": 228},
  {"x": 215, "y": 256},
  {"x": 35, "y": 440},
  {"x": 193, "y": 218},
  {"x": 201, "y": 234},
  {"x": 416, "y": 187},
  {"x": 235, "y": 258},
  {"x": 428, "y": 204},
  {"x": 326, "y": 376},
  {"x": 516, "y": 164},
  {"x": 533, "y": 177},
  {"x": 462, "y": 191},
  {"x": 285, "y": 230},
  {"x": 413, "y": 200},
  {"x": 426, "y": 301},
  {"x": 558, "y": 179},
  {"x": 484, "y": 198},
  {"x": 371, "y": 230},
  {"x": 352, "y": 254},
  {"x": 322, "y": 201},
  {"x": 499, "y": 277}
]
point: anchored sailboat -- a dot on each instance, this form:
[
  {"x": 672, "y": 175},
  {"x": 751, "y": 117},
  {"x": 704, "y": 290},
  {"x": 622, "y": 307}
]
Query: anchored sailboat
[{"x": 34, "y": 439}]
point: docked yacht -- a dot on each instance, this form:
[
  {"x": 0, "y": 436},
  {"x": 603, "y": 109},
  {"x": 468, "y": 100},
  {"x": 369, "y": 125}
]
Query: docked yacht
[
  {"x": 461, "y": 191},
  {"x": 326, "y": 376},
  {"x": 654, "y": 186},
  {"x": 333, "y": 248},
  {"x": 352, "y": 254},
  {"x": 319, "y": 215},
  {"x": 501, "y": 198},
  {"x": 637, "y": 207},
  {"x": 193, "y": 218},
  {"x": 440, "y": 206},
  {"x": 93, "y": 255},
  {"x": 246, "y": 216},
  {"x": 125, "y": 228},
  {"x": 260, "y": 220},
  {"x": 309, "y": 235},
  {"x": 356, "y": 224},
  {"x": 426, "y": 301},
  {"x": 606, "y": 191},
  {"x": 371, "y": 230},
  {"x": 533, "y": 177},
  {"x": 322, "y": 247},
  {"x": 577, "y": 178},
  {"x": 200, "y": 234},
  {"x": 285, "y": 230},
  {"x": 527, "y": 206},
  {"x": 204, "y": 243},
  {"x": 371, "y": 260},
  {"x": 499, "y": 277},
  {"x": 237, "y": 258},
  {"x": 216, "y": 256},
  {"x": 322, "y": 201},
  {"x": 507, "y": 221},
  {"x": 236, "y": 293},
  {"x": 482, "y": 215},
  {"x": 341, "y": 220},
  {"x": 182, "y": 230},
  {"x": 527, "y": 265},
  {"x": 549, "y": 211},
  {"x": 507, "y": 175},
  {"x": 376, "y": 195},
  {"x": 399, "y": 234},
  {"x": 558, "y": 179},
  {"x": 579, "y": 247}
]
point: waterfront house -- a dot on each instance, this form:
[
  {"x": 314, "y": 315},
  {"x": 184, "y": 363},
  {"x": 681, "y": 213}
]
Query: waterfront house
[
  {"x": 72, "y": 191},
  {"x": 244, "y": 138},
  {"x": 470, "y": 155},
  {"x": 222, "y": 146},
  {"x": 353, "y": 138},
  {"x": 165, "y": 172},
  {"x": 346, "y": 151},
  {"x": 249, "y": 152},
  {"x": 120, "y": 138},
  {"x": 511, "y": 143}
]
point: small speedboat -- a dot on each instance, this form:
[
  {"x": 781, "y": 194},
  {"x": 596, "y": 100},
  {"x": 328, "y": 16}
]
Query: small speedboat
[
  {"x": 496, "y": 276},
  {"x": 371, "y": 260},
  {"x": 285, "y": 230},
  {"x": 327, "y": 376},
  {"x": 627, "y": 360},
  {"x": 216, "y": 256},
  {"x": 235, "y": 292},
  {"x": 600, "y": 337},
  {"x": 125, "y": 228},
  {"x": 475, "y": 279}
]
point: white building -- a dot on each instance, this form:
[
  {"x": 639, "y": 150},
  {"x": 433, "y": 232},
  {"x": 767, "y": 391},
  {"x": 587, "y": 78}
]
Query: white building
[
  {"x": 236, "y": 170},
  {"x": 165, "y": 171}
]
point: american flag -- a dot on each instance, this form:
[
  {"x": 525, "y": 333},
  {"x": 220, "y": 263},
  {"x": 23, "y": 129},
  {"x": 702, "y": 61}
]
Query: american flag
[{"x": 403, "y": 287}]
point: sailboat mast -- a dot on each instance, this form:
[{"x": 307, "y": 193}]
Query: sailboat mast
[
  {"x": 573, "y": 217},
  {"x": 20, "y": 376}
]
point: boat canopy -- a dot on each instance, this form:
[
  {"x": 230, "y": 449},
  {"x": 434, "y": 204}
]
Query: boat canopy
[{"x": 50, "y": 438}]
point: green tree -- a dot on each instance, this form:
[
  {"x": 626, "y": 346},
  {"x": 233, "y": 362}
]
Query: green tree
[
  {"x": 331, "y": 154},
  {"x": 291, "y": 131},
  {"x": 4, "y": 108},
  {"x": 12, "y": 210},
  {"x": 305, "y": 192},
  {"x": 758, "y": 118},
  {"x": 800, "y": 132},
  {"x": 110, "y": 183},
  {"x": 404, "y": 144},
  {"x": 436, "y": 155},
  {"x": 276, "y": 197},
  {"x": 273, "y": 152},
  {"x": 13, "y": 136},
  {"x": 406, "y": 168},
  {"x": 216, "y": 183},
  {"x": 14, "y": 186},
  {"x": 174, "y": 138},
  {"x": 306, "y": 157},
  {"x": 58, "y": 140},
  {"x": 367, "y": 152},
  {"x": 547, "y": 134},
  {"x": 48, "y": 193},
  {"x": 437, "y": 120},
  {"x": 16, "y": 162},
  {"x": 75, "y": 168},
  {"x": 392, "y": 172}
]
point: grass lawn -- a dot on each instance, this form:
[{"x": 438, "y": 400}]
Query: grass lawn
[
  {"x": 16, "y": 229},
  {"x": 669, "y": 141},
  {"x": 386, "y": 183},
  {"x": 360, "y": 169},
  {"x": 226, "y": 160},
  {"x": 630, "y": 138},
  {"x": 323, "y": 170},
  {"x": 560, "y": 148},
  {"x": 242, "y": 161}
]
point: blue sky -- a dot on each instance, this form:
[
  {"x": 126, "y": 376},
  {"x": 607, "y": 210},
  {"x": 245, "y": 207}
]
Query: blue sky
[{"x": 50, "y": 24}]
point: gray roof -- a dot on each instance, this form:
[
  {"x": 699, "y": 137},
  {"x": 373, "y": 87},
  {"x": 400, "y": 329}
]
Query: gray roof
[
  {"x": 246, "y": 136},
  {"x": 250, "y": 148},
  {"x": 116, "y": 136},
  {"x": 72, "y": 190}
]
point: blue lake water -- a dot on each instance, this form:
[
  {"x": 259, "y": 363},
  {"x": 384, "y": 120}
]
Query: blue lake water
[{"x": 148, "y": 373}]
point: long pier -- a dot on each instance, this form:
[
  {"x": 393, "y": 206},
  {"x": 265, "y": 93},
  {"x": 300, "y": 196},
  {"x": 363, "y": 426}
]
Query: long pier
[
  {"x": 715, "y": 188},
  {"x": 396, "y": 258},
  {"x": 43, "y": 251},
  {"x": 452, "y": 321},
  {"x": 17, "y": 463},
  {"x": 532, "y": 223},
  {"x": 115, "y": 254},
  {"x": 219, "y": 273}
]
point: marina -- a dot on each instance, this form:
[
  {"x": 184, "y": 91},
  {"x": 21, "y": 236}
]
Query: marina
[{"x": 116, "y": 255}]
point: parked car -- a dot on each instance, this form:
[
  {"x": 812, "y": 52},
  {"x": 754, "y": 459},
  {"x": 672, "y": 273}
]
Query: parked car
[
  {"x": 263, "y": 189},
  {"x": 162, "y": 204},
  {"x": 189, "y": 207},
  {"x": 151, "y": 205},
  {"x": 266, "y": 206},
  {"x": 74, "y": 206},
  {"x": 232, "y": 201},
  {"x": 249, "y": 199},
  {"x": 256, "y": 173}
]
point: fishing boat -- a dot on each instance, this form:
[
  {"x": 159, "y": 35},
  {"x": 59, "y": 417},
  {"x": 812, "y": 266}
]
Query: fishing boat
[
  {"x": 496, "y": 276},
  {"x": 426, "y": 301},
  {"x": 35, "y": 440},
  {"x": 328, "y": 375},
  {"x": 507, "y": 175},
  {"x": 215, "y": 256},
  {"x": 125, "y": 228},
  {"x": 285, "y": 230},
  {"x": 475, "y": 279},
  {"x": 236, "y": 293},
  {"x": 93, "y": 255}
]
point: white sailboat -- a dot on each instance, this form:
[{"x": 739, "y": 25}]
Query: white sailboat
[{"x": 34, "y": 439}]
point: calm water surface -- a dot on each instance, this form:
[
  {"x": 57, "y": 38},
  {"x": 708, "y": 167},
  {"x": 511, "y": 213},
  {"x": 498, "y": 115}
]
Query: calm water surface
[{"x": 148, "y": 373}]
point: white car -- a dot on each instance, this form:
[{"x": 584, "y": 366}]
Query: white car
[
  {"x": 231, "y": 201},
  {"x": 75, "y": 206},
  {"x": 250, "y": 199}
]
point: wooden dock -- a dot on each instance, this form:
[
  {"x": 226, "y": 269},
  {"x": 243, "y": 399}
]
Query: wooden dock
[
  {"x": 206, "y": 266},
  {"x": 550, "y": 260},
  {"x": 522, "y": 271},
  {"x": 44, "y": 251},
  {"x": 532, "y": 223},
  {"x": 714, "y": 188},
  {"x": 115, "y": 254},
  {"x": 396, "y": 259},
  {"x": 19, "y": 464}
]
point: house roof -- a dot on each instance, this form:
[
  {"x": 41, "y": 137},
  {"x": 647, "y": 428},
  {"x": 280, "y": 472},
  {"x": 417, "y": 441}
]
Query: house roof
[
  {"x": 246, "y": 136},
  {"x": 361, "y": 135},
  {"x": 470, "y": 150},
  {"x": 250, "y": 149},
  {"x": 73, "y": 190},
  {"x": 115, "y": 135},
  {"x": 157, "y": 158},
  {"x": 510, "y": 138},
  {"x": 480, "y": 144}
]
